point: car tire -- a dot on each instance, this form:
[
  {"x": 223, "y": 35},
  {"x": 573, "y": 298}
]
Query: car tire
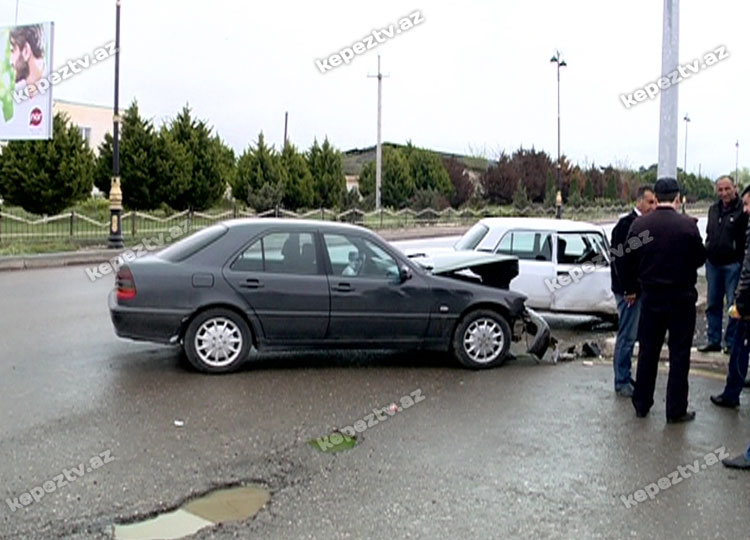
[
  {"x": 217, "y": 341},
  {"x": 482, "y": 339}
]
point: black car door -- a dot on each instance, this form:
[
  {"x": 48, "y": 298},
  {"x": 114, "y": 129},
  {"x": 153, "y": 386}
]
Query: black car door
[
  {"x": 369, "y": 302},
  {"x": 281, "y": 277}
]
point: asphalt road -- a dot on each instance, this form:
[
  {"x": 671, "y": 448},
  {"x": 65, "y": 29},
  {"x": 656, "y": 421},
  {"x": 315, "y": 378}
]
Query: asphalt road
[{"x": 526, "y": 450}]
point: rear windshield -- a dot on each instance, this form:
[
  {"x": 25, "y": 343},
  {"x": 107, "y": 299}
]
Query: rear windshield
[
  {"x": 471, "y": 238},
  {"x": 179, "y": 251}
]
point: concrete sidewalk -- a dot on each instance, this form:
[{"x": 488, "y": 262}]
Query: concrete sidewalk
[{"x": 98, "y": 256}]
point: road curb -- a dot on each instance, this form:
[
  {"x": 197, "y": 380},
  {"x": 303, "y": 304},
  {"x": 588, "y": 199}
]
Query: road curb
[{"x": 56, "y": 260}]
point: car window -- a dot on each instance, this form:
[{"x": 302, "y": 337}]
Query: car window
[
  {"x": 250, "y": 260},
  {"x": 527, "y": 245},
  {"x": 352, "y": 256},
  {"x": 179, "y": 251},
  {"x": 280, "y": 253},
  {"x": 578, "y": 248},
  {"x": 472, "y": 237}
]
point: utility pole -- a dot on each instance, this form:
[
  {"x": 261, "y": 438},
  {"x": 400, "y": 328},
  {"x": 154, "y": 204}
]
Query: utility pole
[
  {"x": 557, "y": 58},
  {"x": 378, "y": 149},
  {"x": 115, "y": 193},
  {"x": 736, "y": 161},
  {"x": 686, "y": 119},
  {"x": 668, "y": 120},
  {"x": 286, "y": 120}
]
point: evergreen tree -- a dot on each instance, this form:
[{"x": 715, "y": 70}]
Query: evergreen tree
[
  {"x": 47, "y": 176},
  {"x": 397, "y": 185},
  {"x": 298, "y": 189},
  {"x": 521, "y": 197},
  {"x": 261, "y": 176},
  {"x": 326, "y": 167},
  {"x": 142, "y": 187},
  {"x": 208, "y": 166},
  {"x": 427, "y": 171}
]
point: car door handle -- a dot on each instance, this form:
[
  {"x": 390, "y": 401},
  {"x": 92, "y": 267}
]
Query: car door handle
[
  {"x": 251, "y": 284},
  {"x": 343, "y": 287}
]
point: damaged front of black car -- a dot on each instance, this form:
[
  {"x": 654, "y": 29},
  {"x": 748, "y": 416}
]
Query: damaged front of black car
[{"x": 493, "y": 274}]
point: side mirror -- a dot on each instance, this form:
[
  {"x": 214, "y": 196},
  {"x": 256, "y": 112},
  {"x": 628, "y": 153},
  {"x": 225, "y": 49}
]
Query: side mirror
[{"x": 404, "y": 273}]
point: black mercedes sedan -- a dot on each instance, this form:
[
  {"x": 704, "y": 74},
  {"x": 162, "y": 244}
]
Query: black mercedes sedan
[{"x": 278, "y": 284}]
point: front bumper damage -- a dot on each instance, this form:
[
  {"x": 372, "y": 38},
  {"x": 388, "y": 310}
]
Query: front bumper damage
[{"x": 538, "y": 338}]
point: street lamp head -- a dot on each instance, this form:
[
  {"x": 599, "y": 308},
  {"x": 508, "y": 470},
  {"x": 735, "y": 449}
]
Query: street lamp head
[
  {"x": 553, "y": 59},
  {"x": 563, "y": 64}
]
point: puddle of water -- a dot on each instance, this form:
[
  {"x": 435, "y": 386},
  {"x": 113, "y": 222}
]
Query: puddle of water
[
  {"x": 335, "y": 442},
  {"x": 234, "y": 504}
]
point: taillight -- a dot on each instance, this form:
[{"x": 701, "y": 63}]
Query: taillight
[{"x": 125, "y": 284}]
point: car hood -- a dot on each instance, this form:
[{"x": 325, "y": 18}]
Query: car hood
[{"x": 492, "y": 270}]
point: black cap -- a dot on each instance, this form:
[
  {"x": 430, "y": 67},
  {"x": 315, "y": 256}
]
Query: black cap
[{"x": 666, "y": 185}]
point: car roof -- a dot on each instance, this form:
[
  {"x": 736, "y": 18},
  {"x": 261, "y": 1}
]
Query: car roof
[
  {"x": 294, "y": 222},
  {"x": 540, "y": 224}
]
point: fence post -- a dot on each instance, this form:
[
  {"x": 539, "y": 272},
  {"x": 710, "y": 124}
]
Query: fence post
[
  {"x": 1, "y": 222},
  {"x": 190, "y": 220},
  {"x": 72, "y": 218},
  {"x": 133, "y": 215},
  {"x": 381, "y": 217},
  {"x": 234, "y": 209}
]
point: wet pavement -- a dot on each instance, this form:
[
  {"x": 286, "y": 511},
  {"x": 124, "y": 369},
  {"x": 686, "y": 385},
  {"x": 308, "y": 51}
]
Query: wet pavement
[{"x": 97, "y": 430}]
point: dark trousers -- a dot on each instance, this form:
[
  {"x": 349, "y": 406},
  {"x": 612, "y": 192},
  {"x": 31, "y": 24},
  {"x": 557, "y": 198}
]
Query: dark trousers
[
  {"x": 738, "y": 362},
  {"x": 722, "y": 282},
  {"x": 662, "y": 312}
]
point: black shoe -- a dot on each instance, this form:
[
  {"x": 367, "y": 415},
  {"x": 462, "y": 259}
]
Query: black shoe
[
  {"x": 727, "y": 350},
  {"x": 687, "y": 417},
  {"x": 641, "y": 414},
  {"x": 720, "y": 401},
  {"x": 737, "y": 462},
  {"x": 710, "y": 347},
  {"x": 747, "y": 383}
]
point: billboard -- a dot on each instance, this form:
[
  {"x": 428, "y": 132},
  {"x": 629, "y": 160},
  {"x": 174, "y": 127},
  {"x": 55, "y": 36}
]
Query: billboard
[{"x": 25, "y": 90}]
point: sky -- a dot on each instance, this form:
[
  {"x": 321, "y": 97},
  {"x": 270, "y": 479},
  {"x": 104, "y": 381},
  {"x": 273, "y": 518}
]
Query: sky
[{"x": 471, "y": 78}]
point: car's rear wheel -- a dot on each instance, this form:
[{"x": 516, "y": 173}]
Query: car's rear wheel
[
  {"x": 482, "y": 339},
  {"x": 217, "y": 341}
]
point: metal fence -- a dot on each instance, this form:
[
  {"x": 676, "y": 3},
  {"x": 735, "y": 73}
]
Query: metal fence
[{"x": 18, "y": 226}]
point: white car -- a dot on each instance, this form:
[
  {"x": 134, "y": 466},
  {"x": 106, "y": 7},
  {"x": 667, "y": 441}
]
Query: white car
[{"x": 564, "y": 265}]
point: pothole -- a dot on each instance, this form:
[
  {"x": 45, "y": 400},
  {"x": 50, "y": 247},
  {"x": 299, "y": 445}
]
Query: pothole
[
  {"x": 220, "y": 506},
  {"x": 335, "y": 442}
]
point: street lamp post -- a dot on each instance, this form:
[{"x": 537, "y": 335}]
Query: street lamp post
[
  {"x": 115, "y": 193},
  {"x": 557, "y": 59},
  {"x": 686, "y": 119}
]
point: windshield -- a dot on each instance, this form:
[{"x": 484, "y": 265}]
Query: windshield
[{"x": 471, "y": 238}]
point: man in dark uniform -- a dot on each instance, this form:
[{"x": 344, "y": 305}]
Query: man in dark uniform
[{"x": 664, "y": 251}]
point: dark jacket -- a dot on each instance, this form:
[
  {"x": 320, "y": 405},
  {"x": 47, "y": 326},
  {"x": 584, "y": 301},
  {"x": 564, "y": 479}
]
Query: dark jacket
[
  {"x": 742, "y": 295},
  {"x": 725, "y": 233},
  {"x": 617, "y": 244},
  {"x": 663, "y": 253}
]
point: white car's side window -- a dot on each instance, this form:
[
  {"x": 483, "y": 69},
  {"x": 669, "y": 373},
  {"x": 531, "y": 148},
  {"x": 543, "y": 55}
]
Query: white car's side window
[{"x": 527, "y": 245}]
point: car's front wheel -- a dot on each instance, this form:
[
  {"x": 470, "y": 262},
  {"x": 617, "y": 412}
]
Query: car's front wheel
[
  {"x": 217, "y": 341},
  {"x": 482, "y": 339}
]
